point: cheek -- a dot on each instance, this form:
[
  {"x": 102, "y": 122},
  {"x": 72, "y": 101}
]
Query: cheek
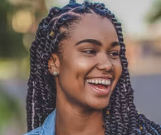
[
  {"x": 77, "y": 64},
  {"x": 117, "y": 73},
  {"x": 118, "y": 68},
  {"x": 73, "y": 70},
  {"x": 83, "y": 65}
]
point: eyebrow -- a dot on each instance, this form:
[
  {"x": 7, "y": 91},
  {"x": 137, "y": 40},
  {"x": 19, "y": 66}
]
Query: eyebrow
[
  {"x": 114, "y": 44},
  {"x": 92, "y": 41},
  {"x": 96, "y": 42}
]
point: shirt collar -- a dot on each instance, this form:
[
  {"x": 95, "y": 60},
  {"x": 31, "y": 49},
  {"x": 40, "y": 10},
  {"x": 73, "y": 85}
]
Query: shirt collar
[{"x": 48, "y": 127}]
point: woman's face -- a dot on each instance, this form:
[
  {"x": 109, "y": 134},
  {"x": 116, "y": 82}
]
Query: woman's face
[{"x": 90, "y": 56}]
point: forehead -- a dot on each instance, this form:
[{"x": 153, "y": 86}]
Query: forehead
[{"x": 95, "y": 27}]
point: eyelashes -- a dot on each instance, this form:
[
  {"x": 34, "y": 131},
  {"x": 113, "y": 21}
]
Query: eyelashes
[
  {"x": 115, "y": 54},
  {"x": 92, "y": 52}
]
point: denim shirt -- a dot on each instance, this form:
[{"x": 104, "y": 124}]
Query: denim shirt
[{"x": 48, "y": 127}]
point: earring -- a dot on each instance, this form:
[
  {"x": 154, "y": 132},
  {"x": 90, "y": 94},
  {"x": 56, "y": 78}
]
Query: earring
[{"x": 55, "y": 73}]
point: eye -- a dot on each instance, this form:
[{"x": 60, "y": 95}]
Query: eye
[
  {"x": 90, "y": 51},
  {"x": 114, "y": 54}
]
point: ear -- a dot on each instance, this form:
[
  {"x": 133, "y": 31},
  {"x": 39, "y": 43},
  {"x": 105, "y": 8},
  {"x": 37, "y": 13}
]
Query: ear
[{"x": 54, "y": 63}]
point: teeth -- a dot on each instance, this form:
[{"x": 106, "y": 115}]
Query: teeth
[
  {"x": 96, "y": 81},
  {"x": 99, "y": 81},
  {"x": 103, "y": 81},
  {"x": 106, "y": 82},
  {"x": 92, "y": 81},
  {"x": 109, "y": 82}
]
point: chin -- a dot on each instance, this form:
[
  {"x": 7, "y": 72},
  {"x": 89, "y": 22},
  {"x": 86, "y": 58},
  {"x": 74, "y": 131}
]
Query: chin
[{"x": 99, "y": 105}]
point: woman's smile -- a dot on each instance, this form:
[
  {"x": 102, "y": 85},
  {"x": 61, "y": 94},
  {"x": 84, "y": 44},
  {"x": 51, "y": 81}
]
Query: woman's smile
[{"x": 99, "y": 86}]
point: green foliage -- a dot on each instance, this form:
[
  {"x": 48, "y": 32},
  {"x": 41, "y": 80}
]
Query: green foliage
[
  {"x": 155, "y": 12},
  {"x": 9, "y": 108},
  {"x": 11, "y": 45}
]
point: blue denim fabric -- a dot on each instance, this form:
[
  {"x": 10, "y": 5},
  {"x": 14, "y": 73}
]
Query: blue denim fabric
[{"x": 48, "y": 127}]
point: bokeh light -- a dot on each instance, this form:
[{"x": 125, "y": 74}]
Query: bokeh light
[{"x": 22, "y": 21}]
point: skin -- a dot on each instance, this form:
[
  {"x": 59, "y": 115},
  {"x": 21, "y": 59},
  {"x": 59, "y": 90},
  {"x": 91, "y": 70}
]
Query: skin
[{"x": 79, "y": 109}]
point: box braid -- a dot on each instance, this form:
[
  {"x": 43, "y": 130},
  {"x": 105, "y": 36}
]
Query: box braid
[{"x": 120, "y": 116}]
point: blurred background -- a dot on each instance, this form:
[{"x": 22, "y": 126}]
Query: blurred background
[{"x": 19, "y": 20}]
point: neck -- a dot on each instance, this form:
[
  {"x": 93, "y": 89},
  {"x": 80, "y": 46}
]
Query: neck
[{"x": 71, "y": 120}]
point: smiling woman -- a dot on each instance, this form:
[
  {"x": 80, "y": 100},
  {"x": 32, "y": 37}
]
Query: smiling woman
[{"x": 79, "y": 75}]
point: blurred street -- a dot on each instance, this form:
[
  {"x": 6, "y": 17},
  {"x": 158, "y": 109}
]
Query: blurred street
[{"x": 147, "y": 94}]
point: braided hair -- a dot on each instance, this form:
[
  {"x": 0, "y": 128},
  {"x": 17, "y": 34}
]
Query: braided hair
[{"x": 120, "y": 116}]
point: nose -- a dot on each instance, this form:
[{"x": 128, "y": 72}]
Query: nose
[{"x": 105, "y": 65}]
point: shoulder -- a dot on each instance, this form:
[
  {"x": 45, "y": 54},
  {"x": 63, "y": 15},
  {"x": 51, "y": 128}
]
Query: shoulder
[
  {"x": 47, "y": 128},
  {"x": 36, "y": 131}
]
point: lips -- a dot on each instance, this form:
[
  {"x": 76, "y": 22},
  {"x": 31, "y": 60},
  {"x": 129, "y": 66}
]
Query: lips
[{"x": 99, "y": 89}]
